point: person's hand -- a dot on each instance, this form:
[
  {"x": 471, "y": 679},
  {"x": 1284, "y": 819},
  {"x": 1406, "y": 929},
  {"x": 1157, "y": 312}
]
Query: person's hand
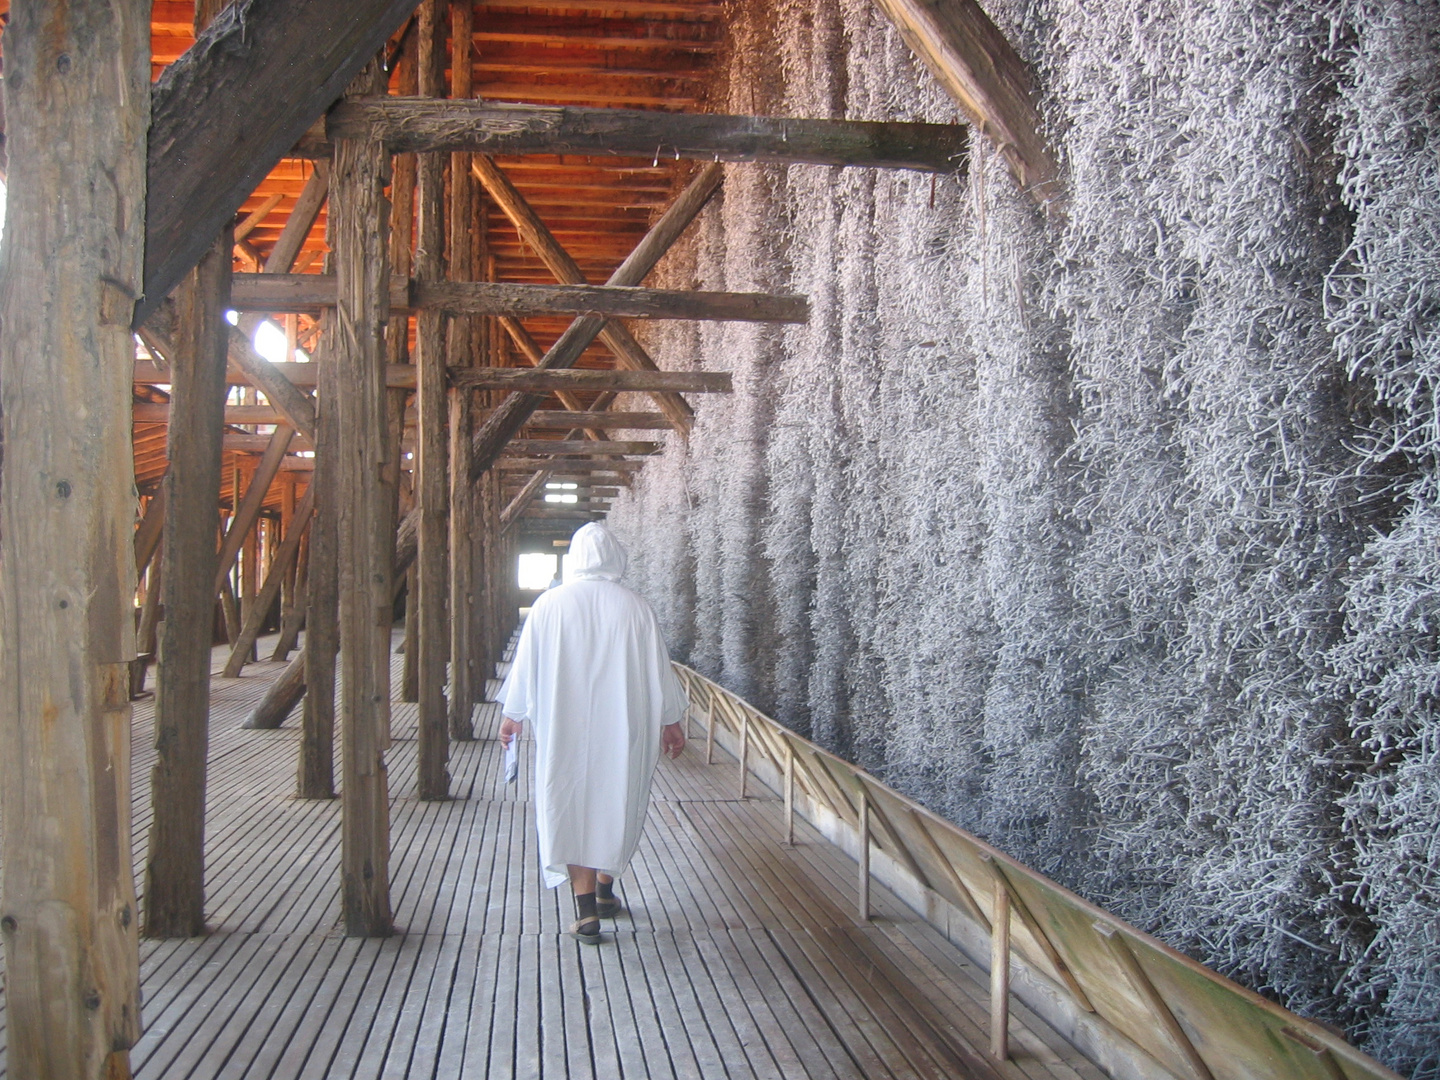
[
  {"x": 508, "y": 730},
  {"x": 672, "y": 740}
]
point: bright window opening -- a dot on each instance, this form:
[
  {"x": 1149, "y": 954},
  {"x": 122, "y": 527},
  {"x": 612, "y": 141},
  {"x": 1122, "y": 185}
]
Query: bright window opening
[
  {"x": 560, "y": 497},
  {"x": 537, "y": 569}
]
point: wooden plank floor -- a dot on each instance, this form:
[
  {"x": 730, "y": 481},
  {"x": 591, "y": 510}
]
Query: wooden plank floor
[{"x": 736, "y": 956}]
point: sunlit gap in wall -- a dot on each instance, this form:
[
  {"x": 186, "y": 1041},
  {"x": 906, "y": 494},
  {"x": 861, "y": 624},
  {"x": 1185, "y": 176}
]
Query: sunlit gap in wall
[
  {"x": 537, "y": 569},
  {"x": 269, "y": 340},
  {"x": 558, "y": 492},
  {"x": 2, "y": 212}
]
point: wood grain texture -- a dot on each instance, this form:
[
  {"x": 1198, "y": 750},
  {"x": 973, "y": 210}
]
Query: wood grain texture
[
  {"x": 549, "y": 380},
  {"x": 365, "y": 501},
  {"x": 75, "y": 89},
  {"x": 973, "y": 60},
  {"x": 432, "y": 485},
  {"x": 502, "y": 128},
  {"x": 175, "y": 867},
  {"x": 218, "y": 123}
]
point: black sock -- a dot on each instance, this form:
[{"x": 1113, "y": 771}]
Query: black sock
[
  {"x": 585, "y": 907},
  {"x": 605, "y": 890}
]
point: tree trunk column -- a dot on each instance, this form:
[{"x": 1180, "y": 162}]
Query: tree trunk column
[
  {"x": 365, "y": 505},
  {"x": 175, "y": 857},
  {"x": 431, "y": 489},
  {"x": 77, "y": 93}
]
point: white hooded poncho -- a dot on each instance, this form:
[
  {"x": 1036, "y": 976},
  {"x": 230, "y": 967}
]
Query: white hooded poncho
[{"x": 592, "y": 678}]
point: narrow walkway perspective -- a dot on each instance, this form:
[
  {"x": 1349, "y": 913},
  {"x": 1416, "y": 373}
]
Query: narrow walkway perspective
[{"x": 736, "y": 956}]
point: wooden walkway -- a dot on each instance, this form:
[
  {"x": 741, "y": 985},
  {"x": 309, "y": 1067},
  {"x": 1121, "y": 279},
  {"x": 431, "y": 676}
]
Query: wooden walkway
[{"x": 736, "y": 956}]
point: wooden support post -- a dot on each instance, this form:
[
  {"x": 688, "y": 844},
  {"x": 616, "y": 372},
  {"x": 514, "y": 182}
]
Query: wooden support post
[
  {"x": 710, "y": 730},
  {"x": 409, "y": 646},
  {"x": 77, "y": 84},
  {"x": 431, "y": 461},
  {"x": 864, "y": 858},
  {"x": 316, "y": 766},
  {"x": 463, "y": 598},
  {"x": 294, "y": 620},
  {"x": 1159, "y": 1009},
  {"x": 1000, "y": 972},
  {"x": 744, "y": 750},
  {"x": 789, "y": 795},
  {"x": 148, "y": 636},
  {"x": 175, "y": 859},
  {"x": 365, "y": 500},
  {"x": 1041, "y": 937}
]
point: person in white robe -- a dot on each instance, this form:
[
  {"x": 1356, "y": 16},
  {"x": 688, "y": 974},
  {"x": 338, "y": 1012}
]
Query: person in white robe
[{"x": 592, "y": 678}]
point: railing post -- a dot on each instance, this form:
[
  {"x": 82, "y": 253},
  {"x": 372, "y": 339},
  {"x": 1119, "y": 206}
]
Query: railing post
[
  {"x": 864, "y": 857},
  {"x": 710, "y": 730},
  {"x": 789, "y": 795},
  {"x": 744, "y": 749},
  {"x": 1000, "y": 971}
]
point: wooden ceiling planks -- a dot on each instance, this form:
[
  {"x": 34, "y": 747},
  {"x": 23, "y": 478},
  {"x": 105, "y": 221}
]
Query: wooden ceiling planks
[{"x": 647, "y": 54}]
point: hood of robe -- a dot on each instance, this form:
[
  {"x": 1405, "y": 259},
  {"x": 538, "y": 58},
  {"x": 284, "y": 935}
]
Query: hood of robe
[{"x": 595, "y": 554}]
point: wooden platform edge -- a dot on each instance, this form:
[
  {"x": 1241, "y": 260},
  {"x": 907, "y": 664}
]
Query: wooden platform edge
[{"x": 1116, "y": 1032}]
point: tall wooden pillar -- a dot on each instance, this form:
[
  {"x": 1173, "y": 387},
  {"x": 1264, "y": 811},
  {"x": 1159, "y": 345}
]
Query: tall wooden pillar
[
  {"x": 77, "y": 104},
  {"x": 365, "y": 500},
  {"x": 431, "y": 488},
  {"x": 316, "y": 769},
  {"x": 465, "y": 229},
  {"x": 175, "y": 858}
]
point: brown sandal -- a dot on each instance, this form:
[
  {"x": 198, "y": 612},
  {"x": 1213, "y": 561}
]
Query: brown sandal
[{"x": 586, "y": 931}]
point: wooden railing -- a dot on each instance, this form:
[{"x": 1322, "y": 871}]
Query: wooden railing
[{"x": 1133, "y": 1004}]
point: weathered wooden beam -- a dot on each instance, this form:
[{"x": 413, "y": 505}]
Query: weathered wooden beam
[
  {"x": 233, "y": 105},
  {"x": 260, "y": 213},
  {"x": 301, "y": 220},
  {"x": 305, "y": 376},
  {"x": 628, "y": 352},
  {"x": 316, "y": 663},
  {"x": 499, "y": 298},
  {"x": 551, "y": 380},
  {"x": 76, "y": 77},
  {"x": 581, "y": 447},
  {"x": 359, "y": 215},
  {"x": 248, "y": 513},
  {"x": 270, "y": 591},
  {"x": 292, "y": 402},
  {"x": 175, "y": 859},
  {"x": 432, "y": 494},
  {"x": 506, "y": 420},
  {"x": 566, "y": 419},
  {"x": 568, "y": 466},
  {"x": 311, "y": 292},
  {"x": 971, "y": 58},
  {"x": 415, "y": 124},
  {"x": 148, "y": 532},
  {"x": 238, "y": 442}
]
